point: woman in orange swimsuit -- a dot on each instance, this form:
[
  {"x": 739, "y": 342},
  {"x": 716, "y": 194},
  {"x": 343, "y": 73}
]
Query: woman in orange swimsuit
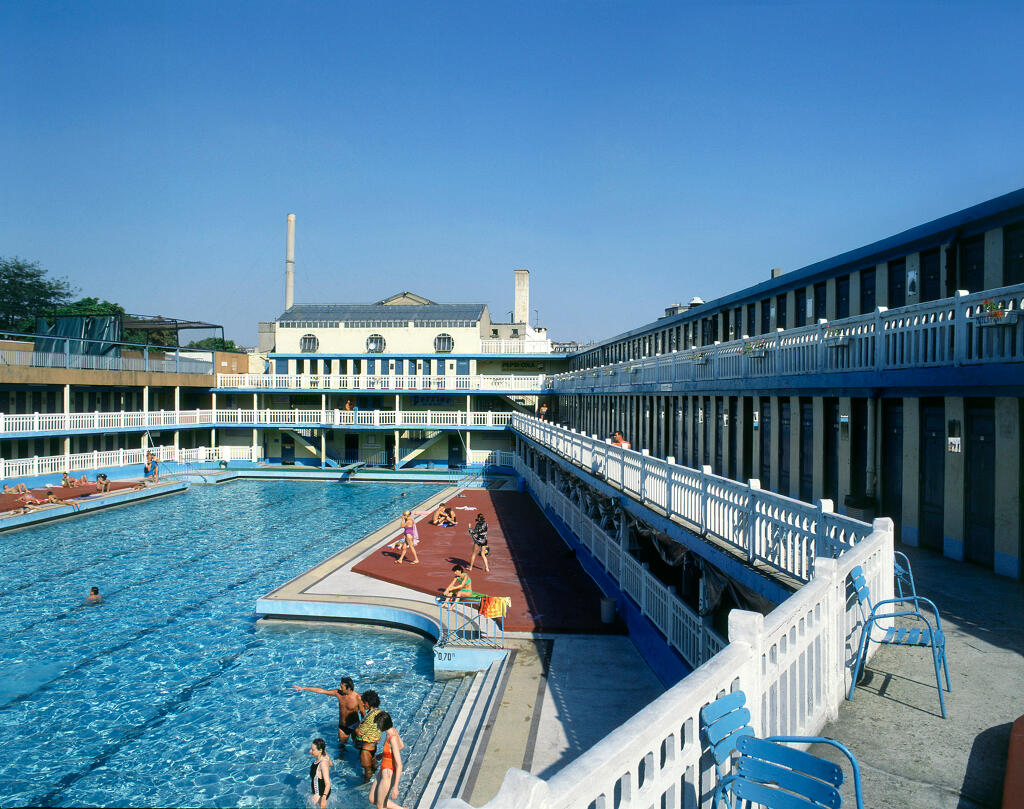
[{"x": 390, "y": 765}]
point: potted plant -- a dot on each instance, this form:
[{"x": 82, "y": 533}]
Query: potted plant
[
  {"x": 994, "y": 313},
  {"x": 701, "y": 357},
  {"x": 834, "y": 337},
  {"x": 755, "y": 348}
]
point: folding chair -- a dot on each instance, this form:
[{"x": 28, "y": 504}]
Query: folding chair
[
  {"x": 765, "y": 772},
  {"x": 927, "y": 636}
]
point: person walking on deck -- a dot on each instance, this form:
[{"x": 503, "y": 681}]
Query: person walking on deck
[
  {"x": 478, "y": 533},
  {"x": 349, "y": 707},
  {"x": 408, "y": 539}
]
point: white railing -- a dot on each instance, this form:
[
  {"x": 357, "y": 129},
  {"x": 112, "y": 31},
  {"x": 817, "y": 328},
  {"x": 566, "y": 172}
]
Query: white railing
[
  {"x": 969, "y": 329},
  {"x": 683, "y": 628},
  {"x": 99, "y": 362},
  {"x": 489, "y": 383},
  {"x": 515, "y": 347},
  {"x": 113, "y": 458},
  {"x": 491, "y": 457},
  {"x": 793, "y": 666},
  {"x": 175, "y": 419},
  {"x": 762, "y": 526}
]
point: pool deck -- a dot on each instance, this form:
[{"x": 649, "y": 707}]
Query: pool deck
[
  {"x": 85, "y": 500},
  {"x": 571, "y": 679},
  {"x": 909, "y": 756}
]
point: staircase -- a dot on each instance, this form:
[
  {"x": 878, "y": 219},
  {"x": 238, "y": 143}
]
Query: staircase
[
  {"x": 428, "y": 440},
  {"x": 522, "y": 404},
  {"x": 306, "y": 437}
]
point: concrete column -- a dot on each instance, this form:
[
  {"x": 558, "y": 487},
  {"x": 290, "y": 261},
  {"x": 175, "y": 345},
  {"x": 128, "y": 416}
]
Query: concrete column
[
  {"x": 790, "y": 308},
  {"x": 1007, "y": 494},
  {"x": 909, "y": 529},
  {"x": 739, "y": 424},
  {"x": 145, "y": 398},
  {"x": 323, "y": 448},
  {"x": 398, "y": 449},
  {"x": 773, "y": 462},
  {"x": 818, "y": 437},
  {"x": 882, "y": 284},
  {"x": 844, "y": 453},
  {"x": 913, "y": 266},
  {"x": 994, "y": 259},
  {"x": 942, "y": 271},
  {"x": 794, "y": 446},
  {"x": 953, "y": 519},
  {"x": 678, "y": 450},
  {"x": 831, "y": 309}
]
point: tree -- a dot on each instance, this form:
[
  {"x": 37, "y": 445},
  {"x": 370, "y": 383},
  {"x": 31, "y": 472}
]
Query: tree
[
  {"x": 214, "y": 344},
  {"x": 26, "y": 293}
]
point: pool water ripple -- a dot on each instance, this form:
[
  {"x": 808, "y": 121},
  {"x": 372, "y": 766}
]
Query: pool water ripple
[{"x": 168, "y": 694}]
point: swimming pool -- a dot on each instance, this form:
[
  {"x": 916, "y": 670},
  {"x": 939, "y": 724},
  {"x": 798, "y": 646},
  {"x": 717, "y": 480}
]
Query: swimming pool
[{"x": 167, "y": 693}]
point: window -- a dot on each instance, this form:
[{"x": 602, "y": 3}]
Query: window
[
  {"x": 375, "y": 344},
  {"x": 444, "y": 344},
  {"x": 308, "y": 343}
]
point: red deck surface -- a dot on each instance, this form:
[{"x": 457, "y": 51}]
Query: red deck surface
[
  {"x": 529, "y": 562},
  {"x": 9, "y": 502}
]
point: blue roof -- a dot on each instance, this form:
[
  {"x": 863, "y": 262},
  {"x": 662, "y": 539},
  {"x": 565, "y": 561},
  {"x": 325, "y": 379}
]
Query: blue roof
[{"x": 349, "y": 312}]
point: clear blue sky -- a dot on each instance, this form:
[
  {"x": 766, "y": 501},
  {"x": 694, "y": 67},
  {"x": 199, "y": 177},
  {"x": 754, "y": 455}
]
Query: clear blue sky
[{"x": 629, "y": 154}]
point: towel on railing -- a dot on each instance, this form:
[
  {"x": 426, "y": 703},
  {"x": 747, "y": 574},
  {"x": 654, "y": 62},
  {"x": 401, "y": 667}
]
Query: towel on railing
[{"x": 494, "y": 606}]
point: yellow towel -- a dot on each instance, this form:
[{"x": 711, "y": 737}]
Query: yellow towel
[{"x": 494, "y": 606}]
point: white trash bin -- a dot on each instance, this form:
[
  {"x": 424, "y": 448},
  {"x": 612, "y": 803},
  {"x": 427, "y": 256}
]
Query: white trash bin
[{"x": 608, "y": 610}]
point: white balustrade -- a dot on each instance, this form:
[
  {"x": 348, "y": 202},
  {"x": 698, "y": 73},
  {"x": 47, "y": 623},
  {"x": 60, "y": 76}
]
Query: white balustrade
[
  {"x": 791, "y": 664},
  {"x": 493, "y": 383},
  {"x": 779, "y": 531},
  {"x": 174, "y": 419},
  {"x": 108, "y": 459},
  {"x": 969, "y": 329}
]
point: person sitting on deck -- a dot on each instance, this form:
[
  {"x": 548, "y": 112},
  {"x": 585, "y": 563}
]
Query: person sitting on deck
[
  {"x": 152, "y": 468},
  {"x": 461, "y": 586},
  {"x": 19, "y": 488},
  {"x": 69, "y": 482},
  {"x": 102, "y": 483},
  {"x": 444, "y": 516}
]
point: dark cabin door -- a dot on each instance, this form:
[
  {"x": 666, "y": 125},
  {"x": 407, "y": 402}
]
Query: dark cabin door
[
  {"x": 287, "y": 449},
  {"x": 830, "y": 484},
  {"x": 748, "y": 438},
  {"x": 930, "y": 286},
  {"x": 765, "y": 471},
  {"x": 979, "y": 509},
  {"x": 730, "y": 432},
  {"x": 892, "y": 461},
  {"x": 806, "y": 450},
  {"x": 351, "y": 447},
  {"x": 933, "y": 475},
  {"x": 719, "y": 434},
  {"x": 784, "y": 430},
  {"x": 897, "y": 283}
]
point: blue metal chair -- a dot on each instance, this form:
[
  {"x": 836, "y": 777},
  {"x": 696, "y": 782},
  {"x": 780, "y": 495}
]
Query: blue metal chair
[
  {"x": 927, "y": 636},
  {"x": 764, "y": 771},
  {"x": 903, "y": 577}
]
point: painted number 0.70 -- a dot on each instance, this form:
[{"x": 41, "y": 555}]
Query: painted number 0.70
[{"x": 444, "y": 655}]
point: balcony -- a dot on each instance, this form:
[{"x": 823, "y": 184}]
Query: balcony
[
  {"x": 976, "y": 329},
  {"x": 387, "y": 383}
]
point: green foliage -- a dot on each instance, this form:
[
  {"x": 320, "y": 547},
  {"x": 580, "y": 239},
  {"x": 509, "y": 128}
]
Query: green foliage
[
  {"x": 91, "y": 306},
  {"x": 214, "y": 344},
  {"x": 26, "y": 292}
]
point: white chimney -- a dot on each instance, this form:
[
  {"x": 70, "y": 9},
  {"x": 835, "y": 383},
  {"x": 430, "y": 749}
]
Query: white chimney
[
  {"x": 522, "y": 299},
  {"x": 289, "y": 265}
]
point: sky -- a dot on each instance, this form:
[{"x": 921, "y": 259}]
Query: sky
[{"x": 629, "y": 154}]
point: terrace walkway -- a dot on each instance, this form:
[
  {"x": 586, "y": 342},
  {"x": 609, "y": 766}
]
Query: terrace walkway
[{"x": 909, "y": 755}]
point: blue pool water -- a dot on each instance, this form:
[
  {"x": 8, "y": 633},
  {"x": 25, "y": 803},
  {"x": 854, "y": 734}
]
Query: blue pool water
[{"x": 168, "y": 693}]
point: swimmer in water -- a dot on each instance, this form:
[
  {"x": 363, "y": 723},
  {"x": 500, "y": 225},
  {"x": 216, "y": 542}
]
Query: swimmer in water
[
  {"x": 320, "y": 773},
  {"x": 94, "y": 596}
]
